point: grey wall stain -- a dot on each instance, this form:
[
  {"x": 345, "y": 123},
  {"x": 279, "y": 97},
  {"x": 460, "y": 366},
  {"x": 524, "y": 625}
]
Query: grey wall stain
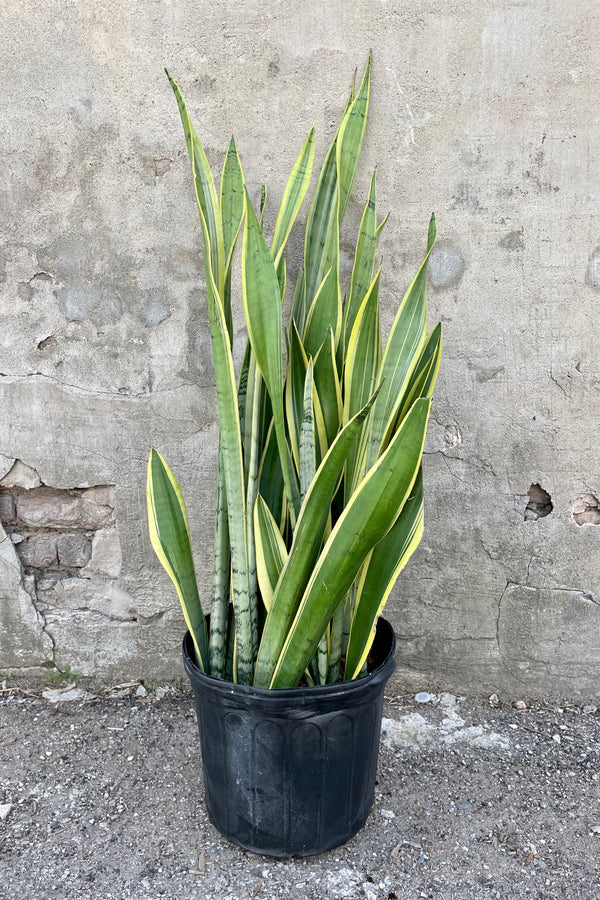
[
  {"x": 466, "y": 197},
  {"x": 161, "y": 166},
  {"x": 98, "y": 303},
  {"x": 513, "y": 241},
  {"x": 446, "y": 266},
  {"x": 155, "y": 312}
]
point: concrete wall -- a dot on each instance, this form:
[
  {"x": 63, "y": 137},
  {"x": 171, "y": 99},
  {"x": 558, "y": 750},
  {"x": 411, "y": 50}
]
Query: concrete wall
[{"x": 485, "y": 112}]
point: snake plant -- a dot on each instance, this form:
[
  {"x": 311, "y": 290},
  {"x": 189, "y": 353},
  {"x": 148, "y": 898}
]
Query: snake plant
[{"x": 319, "y": 500}]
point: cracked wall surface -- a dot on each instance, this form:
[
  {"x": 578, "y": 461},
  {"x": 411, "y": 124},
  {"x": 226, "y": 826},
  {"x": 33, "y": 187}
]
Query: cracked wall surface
[{"x": 481, "y": 112}]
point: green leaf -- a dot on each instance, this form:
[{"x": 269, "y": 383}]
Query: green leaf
[
  {"x": 308, "y": 537},
  {"x": 251, "y": 492},
  {"x": 381, "y": 226},
  {"x": 425, "y": 374},
  {"x": 368, "y": 517},
  {"x": 385, "y": 563},
  {"x": 298, "y": 302},
  {"x": 340, "y": 630},
  {"x": 364, "y": 353},
  {"x": 350, "y": 140},
  {"x": 231, "y": 203},
  {"x": 321, "y": 228},
  {"x": 227, "y": 393},
  {"x": 294, "y": 389},
  {"x": 322, "y": 659},
  {"x": 402, "y": 351},
  {"x": 307, "y": 436},
  {"x": 243, "y": 385},
  {"x": 263, "y": 202},
  {"x": 262, "y": 305},
  {"x": 325, "y": 313},
  {"x": 217, "y": 651},
  {"x": 293, "y": 196},
  {"x": 327, "y": 384},
  {"x": 360, "y": 374},
  {"x": 364, "y": 263},
  {"x": 270, "y": 478},
  {"x": 231, "y": 200},
  {"x": 271, "y": 553},
  {"x": 231, "y": 443},
  {"x": 170, "y": 538},
  {"x": 206, "y": 193}
]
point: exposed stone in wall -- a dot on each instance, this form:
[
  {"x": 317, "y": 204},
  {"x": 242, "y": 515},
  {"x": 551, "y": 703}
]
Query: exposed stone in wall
[
  {"x": 63, "y": 548},
  {"x": 539, "y": 505},
  {"x": 24, "y": 643},
  {"x": 53, "y": 530},
  {"x": 586, "y": 510},
  {"x": 21, "y": 475},
  {"x": 441, "y": 438}
]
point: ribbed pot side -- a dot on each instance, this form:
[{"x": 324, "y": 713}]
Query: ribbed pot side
[{"x": 291, "y": 772}]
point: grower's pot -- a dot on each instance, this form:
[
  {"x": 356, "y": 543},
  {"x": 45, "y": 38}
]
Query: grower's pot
[{"x": 291, "y": 772}]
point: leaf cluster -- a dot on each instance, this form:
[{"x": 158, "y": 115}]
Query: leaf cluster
[{"x": 320, "y": 494}]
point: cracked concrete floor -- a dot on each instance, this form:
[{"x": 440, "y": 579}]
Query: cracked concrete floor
[{"x": 102, "y": 798}]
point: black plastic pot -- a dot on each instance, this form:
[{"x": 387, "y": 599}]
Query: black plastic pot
[{"x": 291, "y": 772}]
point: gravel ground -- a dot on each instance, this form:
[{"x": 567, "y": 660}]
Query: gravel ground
[{"x": 102, "y": 798}]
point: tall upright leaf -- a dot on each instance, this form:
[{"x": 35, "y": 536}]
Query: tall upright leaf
[
  {"x": 360, "y": 374},
  {"x": 307, "y": 436},
  {"x": 231, "y": 203},
  {"x": 321, "y": 227},
  {"x": 293, "y": 196},
  {"x": 231, "y": 443},
  {"x": 170, "y": 538},
  {"x": 271, "y": 552},
  {"x": 350, "y": 140},
  {"x": 251, "y": 492},
  {"x": 364, "y": 263},
  {"x": 231, "y": 200},
  {"x": 297, "y": 363},
  {"x": 308, "y": 536},
  {"x": 402, "y": 351},
  {"x": 227, "y": 393},
  {"x": 219, "y": 606},
  {"x": 366, "y": 519},
  {"x": 206, "y": 193},
  {"x": 379, "y": 575},
  {"x": 327, "y": 384},
  {"x": 325, "y": 312},
  {"x": 425, "y": 374},
  {"x": 262, "y": 305}
]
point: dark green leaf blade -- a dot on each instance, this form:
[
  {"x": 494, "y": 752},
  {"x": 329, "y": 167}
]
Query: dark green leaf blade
[{"x": 370, "y": 514}]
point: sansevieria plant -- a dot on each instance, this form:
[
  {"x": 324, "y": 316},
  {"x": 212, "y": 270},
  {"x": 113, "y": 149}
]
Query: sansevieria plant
[{"x": 320, "y": 493}]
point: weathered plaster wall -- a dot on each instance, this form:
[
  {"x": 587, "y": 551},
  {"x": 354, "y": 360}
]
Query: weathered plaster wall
[{"x": 486, "y": 112}]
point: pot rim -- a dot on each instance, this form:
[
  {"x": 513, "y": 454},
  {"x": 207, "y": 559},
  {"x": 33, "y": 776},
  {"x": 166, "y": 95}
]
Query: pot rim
[{"x": 385, "y": 632}]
